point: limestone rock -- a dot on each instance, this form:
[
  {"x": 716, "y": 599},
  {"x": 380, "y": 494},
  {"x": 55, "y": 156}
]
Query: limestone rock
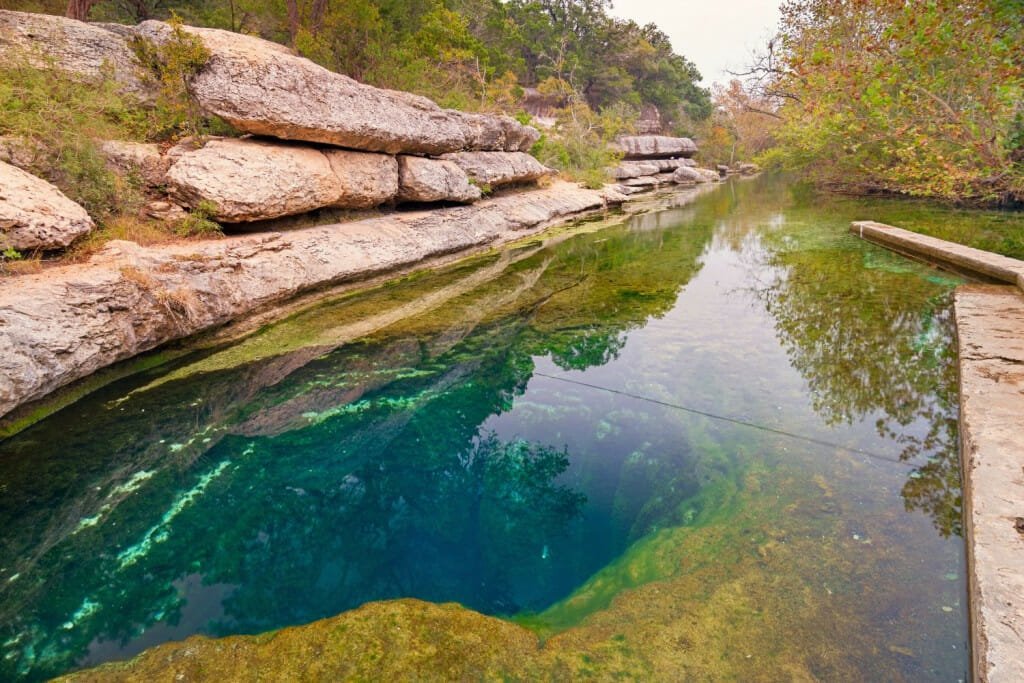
[
  {"x": 433, "y": 180},
  {"x": 88, "y": 51},
  {"x": 709, "y": 175},
  {"x": 364, "y": 179},
  {"x": 748, "y": 169},
  {"x": 61, "y": 325},
  {"x": 687, "y": 176},
  {"x": 655, "y": 146},
  {"x": 165, "y": 211},
  {"x": 635, "y": 169},
  {"x": 20, "y": 152},
  {"x": 249, "y": 180},
  {"x": 36, "y": 215},
  {"x": 260, "y": 87},
  {"x": 499, "y": 168},
  {"x": 139, "y": 157}
]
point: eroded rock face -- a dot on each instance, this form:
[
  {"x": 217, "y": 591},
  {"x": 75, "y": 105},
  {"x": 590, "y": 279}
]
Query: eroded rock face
[
  {"x": 499, "y": 168},
  {"x": 433, "y": 180},
  {"x": 635, "y": 169},
  {"x": 36, "y": 215},
  {"x": 364, "y": 179},
  {"x": 20, "y": 152},
  {"x": 85, "y": 50},
  {"x": 655, "y": 146},
  {"x": 260, "y": 87},
  {"x": 137, "y": 157},
  {"x": 249, "y": 180},
  {"x": 62, "y": 325},
  {"x": 685, "y": 175}
]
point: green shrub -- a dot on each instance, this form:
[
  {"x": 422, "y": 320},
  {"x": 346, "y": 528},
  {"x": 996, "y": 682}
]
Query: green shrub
[
  {"x": 579, "y": 146},
  {"x": 56, "y": 120},
  {"x": 198, "y": 222},
  {"x": 171, "y": 65}
]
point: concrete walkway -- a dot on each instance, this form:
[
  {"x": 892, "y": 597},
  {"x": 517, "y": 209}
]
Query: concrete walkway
[{"x": 990, "y": 340}]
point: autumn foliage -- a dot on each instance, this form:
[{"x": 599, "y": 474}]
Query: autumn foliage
[{"x": 914, "y": 97}]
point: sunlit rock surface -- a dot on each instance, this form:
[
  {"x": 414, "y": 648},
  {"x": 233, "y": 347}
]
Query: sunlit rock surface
[
  {"x": 261, "y": 87},
  {"x": 36, "y": 215}
]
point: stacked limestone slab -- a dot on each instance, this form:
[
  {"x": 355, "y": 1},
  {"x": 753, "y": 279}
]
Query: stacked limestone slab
[
  {"x": 652, "y": 161},
  {"x": 317, "y": 139}
]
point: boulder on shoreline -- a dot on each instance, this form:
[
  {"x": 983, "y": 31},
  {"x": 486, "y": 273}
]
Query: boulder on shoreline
[
  {"x": 655, "y": 146},
  {"x": 36, "y": 215}
]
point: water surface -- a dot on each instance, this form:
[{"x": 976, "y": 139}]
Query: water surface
[{"x": 727, "y": 420}]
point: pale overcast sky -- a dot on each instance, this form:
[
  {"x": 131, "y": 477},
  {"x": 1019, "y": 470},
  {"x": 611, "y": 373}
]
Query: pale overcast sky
[{"x": 715, "y": 36}]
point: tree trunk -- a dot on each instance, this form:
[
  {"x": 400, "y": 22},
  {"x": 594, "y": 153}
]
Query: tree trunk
[{"x": 79, "y": 9}]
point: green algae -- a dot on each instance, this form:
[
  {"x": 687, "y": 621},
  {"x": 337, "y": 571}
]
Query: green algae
[{"x": 430, "y": 457}]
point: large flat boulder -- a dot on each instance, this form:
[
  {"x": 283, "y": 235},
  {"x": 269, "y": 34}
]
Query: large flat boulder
[
  {"x": 434, "y": 180},
  {"x": 36, "y": 215},
  {"x": 499, "y": 168},
  {"x": 260, "y": 87},
  {"x": 87, "y": 51},
  {"x": 655, "y": 146},
  {"x": 635, "y": 169},
  {"x": 249, "y": 180}
]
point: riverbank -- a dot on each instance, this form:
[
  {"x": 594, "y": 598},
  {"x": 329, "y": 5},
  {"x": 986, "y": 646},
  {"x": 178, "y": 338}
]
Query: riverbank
[
  {"x": 990, "y": 338},
  {"x": 66, "y": 323}
]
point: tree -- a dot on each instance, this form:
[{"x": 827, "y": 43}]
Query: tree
[
  {"x": 79, "y": 9},
  {"x": 917, "y": 98}
]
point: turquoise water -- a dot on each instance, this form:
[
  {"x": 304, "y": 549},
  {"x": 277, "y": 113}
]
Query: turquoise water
[{"x": 496, "y": 433}]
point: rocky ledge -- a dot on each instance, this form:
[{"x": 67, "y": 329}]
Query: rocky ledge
[{"x": 66, "y": 323}]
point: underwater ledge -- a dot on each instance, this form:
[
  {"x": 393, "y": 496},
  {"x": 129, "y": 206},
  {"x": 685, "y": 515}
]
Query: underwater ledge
[
  {"x": 62, "y": 326},
  {"x": 990, "y": 341}
]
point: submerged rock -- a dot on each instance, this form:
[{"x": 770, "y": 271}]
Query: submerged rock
[
  {"x": 87, "y": 51},
  {"x": 261, "y": 87},
  {"x": 36, "y": 215},
  {"x": 434, "y": 180}
]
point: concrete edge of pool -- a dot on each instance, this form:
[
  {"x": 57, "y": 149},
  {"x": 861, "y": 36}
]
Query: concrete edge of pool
[{"x": 990, "y": 342}]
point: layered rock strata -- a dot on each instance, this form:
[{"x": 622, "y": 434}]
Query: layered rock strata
[
  {"x": 655, "y": 146},
  {"x": 497, "y": 169},
  {"x": 36, "y": 215},
  {"x": 260, "y": 87},
  {"x": 64, "y": 324},
  {"x": 249, "y": 180},
  {"x": 87, "y": 51}
]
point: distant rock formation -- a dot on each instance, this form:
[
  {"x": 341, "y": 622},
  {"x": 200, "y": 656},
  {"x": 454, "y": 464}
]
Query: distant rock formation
[{"x": 655, "y": 147}]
